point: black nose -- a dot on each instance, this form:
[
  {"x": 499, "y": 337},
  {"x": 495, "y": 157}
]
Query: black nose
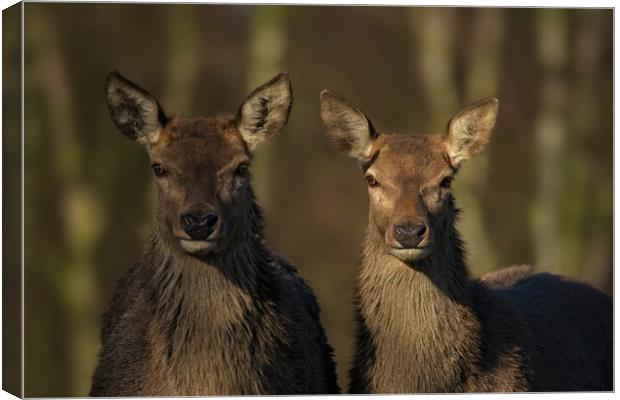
[
  {"x": 199, "y": 225},
  {"x": 410, "y": 235}
]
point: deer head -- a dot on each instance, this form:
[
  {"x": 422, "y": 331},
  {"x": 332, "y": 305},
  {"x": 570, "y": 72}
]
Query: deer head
[
  {"x": 409, "y": 177},
  {"x": 201, "y": 165}
]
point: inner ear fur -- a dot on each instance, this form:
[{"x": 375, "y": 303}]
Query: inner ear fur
[
  {"x": 265, "y": 111},
  {"x": 348, "y": 128},
  {"x": 469, "y": 131},
  {"x": 135, "y": 112}
]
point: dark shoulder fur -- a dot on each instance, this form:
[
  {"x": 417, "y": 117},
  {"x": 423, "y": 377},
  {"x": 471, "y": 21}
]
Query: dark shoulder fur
[
  {"x": 303, "y": 291},
  {"x": 125, "y": 286},
  {"x": 571, "y": 328}
]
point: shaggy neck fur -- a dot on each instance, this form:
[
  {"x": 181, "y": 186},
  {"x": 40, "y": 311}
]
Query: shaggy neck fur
[
  {"x": 206, "y": 313},
  {"x": 415, "y": 319}
]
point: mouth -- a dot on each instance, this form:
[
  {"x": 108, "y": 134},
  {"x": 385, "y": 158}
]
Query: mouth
[
  {"x": 198, "y": 246},
  {"x": 410, "y": 254}
]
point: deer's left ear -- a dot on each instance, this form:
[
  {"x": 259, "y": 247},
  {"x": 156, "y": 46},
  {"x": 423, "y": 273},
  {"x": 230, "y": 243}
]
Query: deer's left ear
[
  {"x": 265, "y": 112},
  {"x": 470, "y": 130}
]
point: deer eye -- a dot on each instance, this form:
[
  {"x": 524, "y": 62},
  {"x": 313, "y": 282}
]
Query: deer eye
[
  {"x": 242, "y": 169},
  {"x": 158, "y": 170},
  {"x": 372, "y": 181},
  {"x": 446, "y": 182}
]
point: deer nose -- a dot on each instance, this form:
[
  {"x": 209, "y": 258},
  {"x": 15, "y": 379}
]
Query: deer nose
[
  {"x": 410, "y": 235},
  {"x": 199, "y": 225}
]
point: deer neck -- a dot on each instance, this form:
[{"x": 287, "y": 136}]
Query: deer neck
[
  {"x": 204, "y": 307},
  {"x": 208, "y": 281},
  {"x": 240, "y": 264},
  {"x": 417, "y": 316}
]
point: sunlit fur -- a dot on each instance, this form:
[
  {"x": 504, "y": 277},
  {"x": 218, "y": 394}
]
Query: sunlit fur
[
  {"x": 225, "y": 317},
  {"x": 422, "y": 325}
]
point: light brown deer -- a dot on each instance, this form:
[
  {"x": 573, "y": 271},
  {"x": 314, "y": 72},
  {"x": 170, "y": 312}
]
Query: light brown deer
[
  {"x": 423, "y": 325},
  {"x": 209, "y": 310}
]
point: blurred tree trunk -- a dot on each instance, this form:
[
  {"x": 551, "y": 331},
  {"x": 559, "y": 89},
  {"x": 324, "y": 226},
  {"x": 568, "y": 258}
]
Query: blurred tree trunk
[
  {"x": 483, "y": 67},
  {"x": 433, "y": 32},
  {"x": 181, "y": 42},
  {"x": 267, "y": 52},
  {"x": 78, "y": 209},
  {"x": 512, "y": 165},
  {"x": 551, "y": 131},
  {"x": 587, "y": 218},
  {"x": 481, "y": 81}
]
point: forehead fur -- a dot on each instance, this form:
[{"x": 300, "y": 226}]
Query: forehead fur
[
  {"x": 411, "y": 154},
  {"x": 202, "y": 138}
]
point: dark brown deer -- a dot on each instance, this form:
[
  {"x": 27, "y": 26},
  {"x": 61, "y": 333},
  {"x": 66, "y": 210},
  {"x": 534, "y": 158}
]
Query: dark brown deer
[
  {"x": 423, "y": 325},
  {"x": 209, "y": 310}
]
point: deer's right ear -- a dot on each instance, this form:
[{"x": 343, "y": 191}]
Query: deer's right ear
[
  {"x": 135, "y": 111},
  {"x": 348, "y": 129}
]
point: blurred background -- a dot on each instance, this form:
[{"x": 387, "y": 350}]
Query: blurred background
[{"x": 542, "y": 193}]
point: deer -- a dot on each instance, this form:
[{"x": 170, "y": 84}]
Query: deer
[
  {"x": 423, "y": 325},
  {"x": 209, "y": 309}
]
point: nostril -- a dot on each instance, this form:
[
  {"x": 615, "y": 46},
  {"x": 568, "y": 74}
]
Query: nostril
[
  {"x": 199, "y": 225},
  {"x": 188, "y": 219},
  {"x": 419, "y": 230},
  {"x": 210, "y": 220},
  {"x": 410, "y": 235}
]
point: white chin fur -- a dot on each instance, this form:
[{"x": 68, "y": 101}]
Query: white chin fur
[
  {"x": 410, "y": 254},
  {"x": 198, "y": 246}
]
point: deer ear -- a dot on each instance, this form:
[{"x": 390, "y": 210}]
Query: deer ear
[
  {"x": 348, "y": 129},
  {"x": 135, "y": 111},
  {"x": 265, "y": 112},
  {"x": 470, "y": 130}
]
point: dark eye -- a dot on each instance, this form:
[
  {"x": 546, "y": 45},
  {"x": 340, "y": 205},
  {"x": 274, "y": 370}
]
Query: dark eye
[
  {"x": 372, "y": 181},
  {"x": 446, "y": 182},
  {"x": 158, "y": 170},
  {"x": 242, "y": 169}
]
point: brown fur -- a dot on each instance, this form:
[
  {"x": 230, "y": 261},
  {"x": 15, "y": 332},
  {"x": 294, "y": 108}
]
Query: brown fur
[
  {"x": 222, "y": 315},
  {"x": 423, "y": 325}
]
